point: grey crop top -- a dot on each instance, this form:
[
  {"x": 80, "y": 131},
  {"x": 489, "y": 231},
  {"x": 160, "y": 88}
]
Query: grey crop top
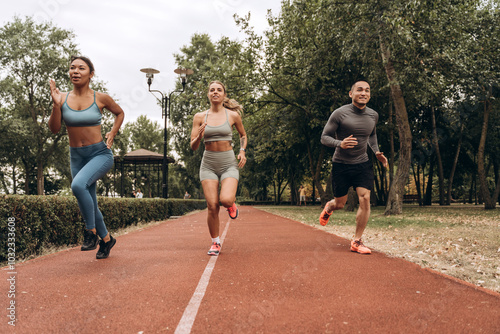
[
  {"x": 221, "y": 132},
  {"x": 87, "y": 117}
]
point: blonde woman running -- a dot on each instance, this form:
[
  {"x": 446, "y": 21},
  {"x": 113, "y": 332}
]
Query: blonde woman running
[{"x": 219, "y": 164}]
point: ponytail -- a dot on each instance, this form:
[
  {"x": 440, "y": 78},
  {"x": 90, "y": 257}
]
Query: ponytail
[{"x": 233, "y": 105}]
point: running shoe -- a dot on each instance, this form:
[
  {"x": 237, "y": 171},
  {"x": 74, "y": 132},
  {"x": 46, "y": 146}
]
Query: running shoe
[
  {"x": 233, "y": 211},
  {"x": 359, "y": 247},
  {"x": 90, "y": 240},
  {"x": 214, "y": 250},
  {"x": 105, "y": 248},
  {"x": 324, "y": 216}
]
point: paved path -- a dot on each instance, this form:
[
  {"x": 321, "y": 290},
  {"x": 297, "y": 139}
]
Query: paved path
[{"x": 274, "y": 275}]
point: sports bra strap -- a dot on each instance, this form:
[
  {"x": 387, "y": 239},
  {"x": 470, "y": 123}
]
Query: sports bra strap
[{"x": 206, "y": 115}]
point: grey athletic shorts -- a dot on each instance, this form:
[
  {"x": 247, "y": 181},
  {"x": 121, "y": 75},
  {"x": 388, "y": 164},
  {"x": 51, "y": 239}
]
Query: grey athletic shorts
[{"x": 219, "y": 165}]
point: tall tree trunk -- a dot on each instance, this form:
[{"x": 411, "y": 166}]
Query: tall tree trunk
[
  {"x": 395, "y": 200},
  {"x": 489, "y": 202},
  {"x": 4, "y": 183},
  {"x": 416, "y": 178},
  {"x": 314, "y": 192},
  {"x": 454, "y": 166},
  {"x": 293, "y": 188},
  {"x": 379, "y": 192},
  {"x": 435, "y": 141},
  {"x": 27, "y": 173},
  {"x": 14, "y": 179},
  {"x": 391, "y": 143},
  {"x": 496, "y": 167},
  {"x": 419, "y": 189},
  {"x": 428, "y": 190},
  {"x": 315, "y": 167},
  {"x": 39, "y": 178},
  {"x": 473, "y": 180},
  {"x": 275, "y": 193}
]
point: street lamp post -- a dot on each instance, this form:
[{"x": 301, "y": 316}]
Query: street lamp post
[{"x": 165, "y": 109}]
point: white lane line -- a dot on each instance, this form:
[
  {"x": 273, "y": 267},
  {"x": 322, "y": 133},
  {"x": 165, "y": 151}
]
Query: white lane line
[{"x": 189, "y": 315}]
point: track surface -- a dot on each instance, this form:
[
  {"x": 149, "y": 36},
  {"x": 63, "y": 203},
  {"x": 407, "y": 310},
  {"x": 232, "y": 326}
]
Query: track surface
[{"x": 274, "y": 275}]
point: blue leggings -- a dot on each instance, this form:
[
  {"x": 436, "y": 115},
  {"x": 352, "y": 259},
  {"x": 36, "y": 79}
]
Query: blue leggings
[{"x": 88, "y": 164}]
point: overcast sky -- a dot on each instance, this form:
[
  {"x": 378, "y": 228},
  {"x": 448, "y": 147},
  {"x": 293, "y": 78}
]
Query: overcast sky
[{"x": 121, "y": 37}]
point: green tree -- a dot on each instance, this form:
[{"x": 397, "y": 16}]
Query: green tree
[
  {"x": 144, "y": 133},
  {"x": 30, "y": 54},
  {"x": 303, "y": 79}
]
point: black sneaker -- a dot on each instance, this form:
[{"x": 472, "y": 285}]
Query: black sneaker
[
  {"x": 89, "y": 240},
  {"x": 105, "y": 248}
]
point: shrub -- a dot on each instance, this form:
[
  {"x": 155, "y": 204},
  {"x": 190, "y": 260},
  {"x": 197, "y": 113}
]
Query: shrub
[{"x": 45, "y": 221}]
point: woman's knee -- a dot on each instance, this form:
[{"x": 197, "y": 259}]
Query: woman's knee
[
  {"x": 227, "y": 201},
  {"x": 78, "y": 187},
  {"x": 213, "y": 206}
]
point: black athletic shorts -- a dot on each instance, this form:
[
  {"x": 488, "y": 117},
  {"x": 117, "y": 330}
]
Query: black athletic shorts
[{"x": 345, "y": 176}]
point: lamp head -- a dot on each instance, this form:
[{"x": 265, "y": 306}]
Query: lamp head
[
  {"x": 183, "y": 73},
  {"x": 150, "y": 73}
]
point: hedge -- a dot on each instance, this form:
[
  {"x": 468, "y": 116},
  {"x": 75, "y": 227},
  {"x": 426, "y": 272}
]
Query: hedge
[{"x": 45, "y": 221}]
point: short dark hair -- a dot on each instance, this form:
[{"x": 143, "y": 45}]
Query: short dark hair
[
  {"x": 85, "y": 59},
  {"x": 354, "y": 84}
]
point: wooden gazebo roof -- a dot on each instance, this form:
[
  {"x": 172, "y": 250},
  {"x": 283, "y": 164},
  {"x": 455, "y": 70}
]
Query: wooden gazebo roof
[{"x": 142, "y": 156}]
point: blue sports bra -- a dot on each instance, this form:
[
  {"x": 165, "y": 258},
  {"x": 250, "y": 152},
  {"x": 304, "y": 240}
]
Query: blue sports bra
[
  {"x": 221, "y": 132},
  {"x": 86, "y": 117}
]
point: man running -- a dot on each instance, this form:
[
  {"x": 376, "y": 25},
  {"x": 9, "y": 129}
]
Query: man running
[{"x": 350, "y": 129}]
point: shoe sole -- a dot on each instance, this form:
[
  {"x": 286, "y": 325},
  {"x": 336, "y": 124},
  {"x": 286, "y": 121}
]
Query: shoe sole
[
  {"x": 213, "y": 253},
  {"x": 105, "y": 257},
  {"x": 88, "y": 249},
  {"x": 355, "y": 251},
  {"x": 237, "y": 212}
]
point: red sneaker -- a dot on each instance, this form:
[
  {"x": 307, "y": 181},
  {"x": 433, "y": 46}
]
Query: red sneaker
[
  {"x": 324, "y": 216},
  {"x": 214, "y": 250},
  {"x": 359, "y": 247},
  {"x": 233, "y": 211}
]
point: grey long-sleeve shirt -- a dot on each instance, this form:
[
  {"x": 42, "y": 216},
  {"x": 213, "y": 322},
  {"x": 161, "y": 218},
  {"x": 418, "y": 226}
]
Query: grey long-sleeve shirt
[{"x": 350, "y": 120}]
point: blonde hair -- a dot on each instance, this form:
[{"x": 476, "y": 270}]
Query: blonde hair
[{"x": 228, "y": 103}]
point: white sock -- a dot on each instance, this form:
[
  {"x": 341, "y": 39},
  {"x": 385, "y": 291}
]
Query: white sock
[{"x": 217, "y": 240}]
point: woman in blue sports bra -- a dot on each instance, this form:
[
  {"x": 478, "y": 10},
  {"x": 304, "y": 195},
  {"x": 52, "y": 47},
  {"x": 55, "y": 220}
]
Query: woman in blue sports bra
[
  {"x": 91, "y": 157},
  {"x": 219, "y": 164}
]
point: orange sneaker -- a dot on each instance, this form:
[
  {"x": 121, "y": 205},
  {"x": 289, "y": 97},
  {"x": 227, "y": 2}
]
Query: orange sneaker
[
  {"x": 324, "y": 216},
  {"x": 214, "y": 250},
  {"x": 359, "y": 247},
  {"x": 233, "y": 211}
]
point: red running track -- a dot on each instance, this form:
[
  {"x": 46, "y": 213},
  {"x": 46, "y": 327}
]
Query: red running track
[{"x": 274, "y": 275}]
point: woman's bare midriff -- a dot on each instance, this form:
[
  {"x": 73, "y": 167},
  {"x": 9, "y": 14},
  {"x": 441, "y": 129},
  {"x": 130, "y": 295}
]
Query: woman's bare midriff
[
  {"x": 84, "y": 136},
  {"x": 218, "y": 146}
]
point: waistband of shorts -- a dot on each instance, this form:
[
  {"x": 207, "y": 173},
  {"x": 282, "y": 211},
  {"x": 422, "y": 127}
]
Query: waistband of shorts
[
  {"x": 341, "y": 164},
  {"x": 97, "y": 146},
  {"x": 218, "y": 152}
]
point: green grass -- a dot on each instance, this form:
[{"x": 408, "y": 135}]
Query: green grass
[{"x": 412, "y": 215}]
